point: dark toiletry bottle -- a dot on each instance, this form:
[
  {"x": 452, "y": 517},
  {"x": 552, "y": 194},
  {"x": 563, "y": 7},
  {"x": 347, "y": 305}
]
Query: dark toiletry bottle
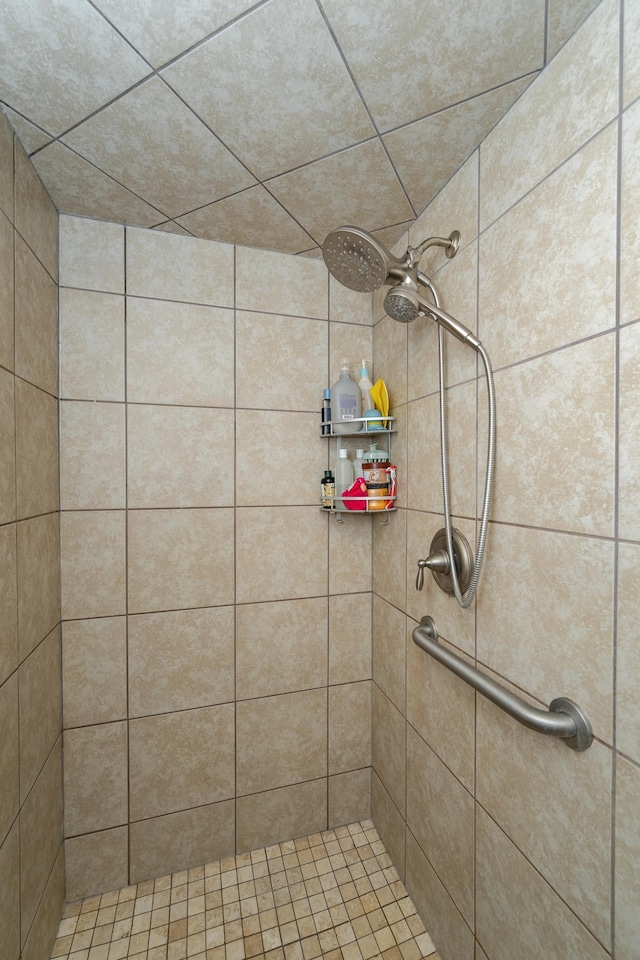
[
  {"x": 326, "y": 413},
  {"x": 328, "y": 490}
]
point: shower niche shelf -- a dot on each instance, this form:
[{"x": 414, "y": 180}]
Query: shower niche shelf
[{"x": 372, "y": 432}]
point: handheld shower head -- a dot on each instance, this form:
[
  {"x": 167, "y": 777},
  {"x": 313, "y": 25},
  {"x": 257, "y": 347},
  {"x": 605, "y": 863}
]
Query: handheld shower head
[
  {"x": 404, "y": 304},
  {"x": 358, "y": 261}
]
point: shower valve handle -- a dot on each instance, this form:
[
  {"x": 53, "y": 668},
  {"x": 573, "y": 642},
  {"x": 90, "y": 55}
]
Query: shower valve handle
[{"x": 438, "y": 561}]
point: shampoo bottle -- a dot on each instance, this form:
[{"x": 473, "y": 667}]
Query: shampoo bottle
[
  {"x": 346, "y": 403},
  {"x": 365, "y": 388},
  {"x": 344, "y": 477},
  {"x": 357, "y": 464}
]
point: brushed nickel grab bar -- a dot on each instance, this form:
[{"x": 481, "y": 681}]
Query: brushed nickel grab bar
[{"x": 564, "y": 718}]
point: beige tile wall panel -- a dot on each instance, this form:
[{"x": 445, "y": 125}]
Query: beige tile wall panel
[
  {"x": 390, "y": 545},
  {"x": 390, "y": 349},
  {"x": 38, "y": 580},
  {"x": 172, "y": 560},
  {"x": 96, "y": 862},
  {"x": 177, "y": 841},
  {"x": 93, "y": 563},
  {"x": 10, "y": 893},
  {"x": 181, "y": 760},
  {"x": 36, "y": 218},
  {"x": 536, "y": 296},
  {"x": 94, "y": 671},
  {"x": 281, "y": 553},
  {"x": 282, "y": 814},
  {"x": 571, "y": 100},
  {"x": 281, "y": 647},
  {"x": 440, "y": 815},
  {"x": 8, "y": 601},
  {"x": 629, "y": 482},
  {"x": 628, "y": 653},
  {"x": 6, "y": 167},
  {"x": 7, "y": 439},
  {"x": 555, "y": 808},
  {"x": 627, "y": 853},
  {"x": 179, "y": 457},
  {"x": 9, "y": 755},
  {"x": 630, "y": 233},
  {"x": 37, "y": 470},
  {"x": 6, "y": 294},
  {"x": 388, "y": 747},
  {"x": 564, "y": 19},
  {"x": 180, "y": 660},
  {"x": 272, "y": 472},
  {"x": 91, "y": 345},
  {"x": 172, "y": 268},
  {"x": 281, "y": 740},
  {"x": 31, "y": 137},
  {"x": 274, "y": 283},
  {"x": 423, "y": 480},
  {"x": 388, "y": 653},
  {"x": 95, "y": 778},
  {"x": 349, "y": 797},
  {"x": 563, "y": 647},
  {"x": 391, "y": 824},
  {"x": 631, "y": 32},
  {"x": 179, "y": 353},
  {"x": 38, "y": 942},
  {"x": 349, "y": 638},
  {"x": 40, "y": 708},
  {"x": 432, "y": 900},
  {"x": 350, "y": 556},
  {"x": 91, "y": 254},
  {"x": 92, "y": 456},
  {"x": 348, "y": 306},
  {"x": 36, "y": 320},
  {"x": 349, "y": 727},
  {"x": 518, "y": 913},
  {"x": 454, "y": 208}
]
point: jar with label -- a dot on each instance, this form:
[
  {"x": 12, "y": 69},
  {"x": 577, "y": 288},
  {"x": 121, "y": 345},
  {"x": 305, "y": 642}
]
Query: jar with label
[{"x": 377, "y": 480}]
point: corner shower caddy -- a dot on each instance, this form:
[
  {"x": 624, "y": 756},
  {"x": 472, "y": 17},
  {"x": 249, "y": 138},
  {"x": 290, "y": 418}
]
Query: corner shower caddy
[{"x": 367, "y": 431}]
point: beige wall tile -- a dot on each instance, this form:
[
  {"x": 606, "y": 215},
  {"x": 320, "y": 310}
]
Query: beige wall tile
[
  {"x": 179, "y": 353},
  {"x": 631, "y": 75},
  {"x": 279, "y": 283},
  {"x": 390, "y": 547},
  {"x": 280, "y": 647},
  {"x": 291, "y": 351},
  {"x": 454, "y": 208},
  {"x": 349, "y": 797},
  {"x": 441, "y": 708},
  {"x": 281, "y": 553},
  {"x": 349, "y": 638},
  {"x": 389, "y": 823},
  {"x": 180, "y": 660},
  {"x": 630, "y": 248},
  {"x": 440, "y": 814},
  {"x": 94, "y": 671},
  {"x": 349, "y": 727},
  {"x": 6, "y": 166},
  {"x": 91, "y": 345},
  {"x": 36, "y": 218},
  {"x": 511, "y": 899},
  {"x": 181, "y": 760},
  {"x": 95, "y": 778},
  {"x": 40, "y": 835},
  {"x": 6, "y": 294},
  {"x": 450, "y": 933},
  {"x": 171, "y": 561},
  {"x": 388, "y": 746},
  {"x": 38, "y": 942},
  {"x": 390, "y": 349},
  {"x": 10, "y": 893},
  {"x": 91, "y": 255},
  {"x": 351, "y": 342},
  {"x": 178, "y": 841},
  {"x": 262, "y": 464},
  {"x": 9, "y": 755},
  {"x": 348, "y": 306},
  {"x": 36, "y": 326},
  {"x": 626, "y": 860},
  {"x": 564, "y": 18},
  {"x": 556, "y": 808},
  {"x": 8, "y": 601},
  {"x": 350, "y": 554},
  {"x": 628, "y": 653},
  {"x": 524, "y": 646},
  {"x": 179, "y": 456},
  {"x": 7, "y": 444},
  {"x": 629, "y": 466},
  {"x": 389, "y": 629},
  {"x": 40, "y": 708},
  {"x": 38, "y": 580},
  {"x": 575, "y": 96},
  {"x": 37, "y": 473},
  {"x": 93, "y": 564},
  {"x": 96, "y": 862},
  {"x": 179, "y": 268},
  {"x": 549, "y": 394},
  {"x": 281, "y": 740},
  {"x": 92, "y": 456},
  {"x": 283, "y": 814}
]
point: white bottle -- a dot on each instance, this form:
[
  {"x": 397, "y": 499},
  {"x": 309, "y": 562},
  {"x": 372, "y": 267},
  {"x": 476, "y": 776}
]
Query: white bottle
[
  {"x": 365, "y": 388},
  {"x": 346, "y": 403},
  {"x": 344, "y": 477},
  {"x": 357, "y": 464}
]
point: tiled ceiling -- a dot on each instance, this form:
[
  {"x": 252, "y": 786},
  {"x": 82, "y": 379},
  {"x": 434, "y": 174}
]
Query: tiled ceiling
[{"x": 266, "y": 123}]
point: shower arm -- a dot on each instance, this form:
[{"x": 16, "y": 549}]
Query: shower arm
[{"x": 450, "y": 244}]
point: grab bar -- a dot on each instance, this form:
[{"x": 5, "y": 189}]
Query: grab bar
[{"x": 564, "y": 719}]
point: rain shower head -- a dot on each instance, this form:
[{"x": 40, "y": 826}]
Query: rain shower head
[
  {"x": 404, "y": 304},
  {"x": 358, "y": 261}
]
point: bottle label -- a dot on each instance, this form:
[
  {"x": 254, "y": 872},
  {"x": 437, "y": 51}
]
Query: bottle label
[{"x": 347, "y": 404}]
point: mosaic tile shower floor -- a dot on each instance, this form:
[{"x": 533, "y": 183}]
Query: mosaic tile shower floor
[{"x": 335, "y": 894}]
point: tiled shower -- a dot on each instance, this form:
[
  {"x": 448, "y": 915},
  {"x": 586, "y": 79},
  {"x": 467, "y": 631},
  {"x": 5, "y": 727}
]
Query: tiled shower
[{"x": 238, "y": 669}]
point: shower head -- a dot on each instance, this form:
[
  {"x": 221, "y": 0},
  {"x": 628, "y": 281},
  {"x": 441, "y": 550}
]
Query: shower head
[
  {"x": 358, "y": 261},
  {"x": 405, "y": 304},
  {"x": 402, "y": 305}
]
